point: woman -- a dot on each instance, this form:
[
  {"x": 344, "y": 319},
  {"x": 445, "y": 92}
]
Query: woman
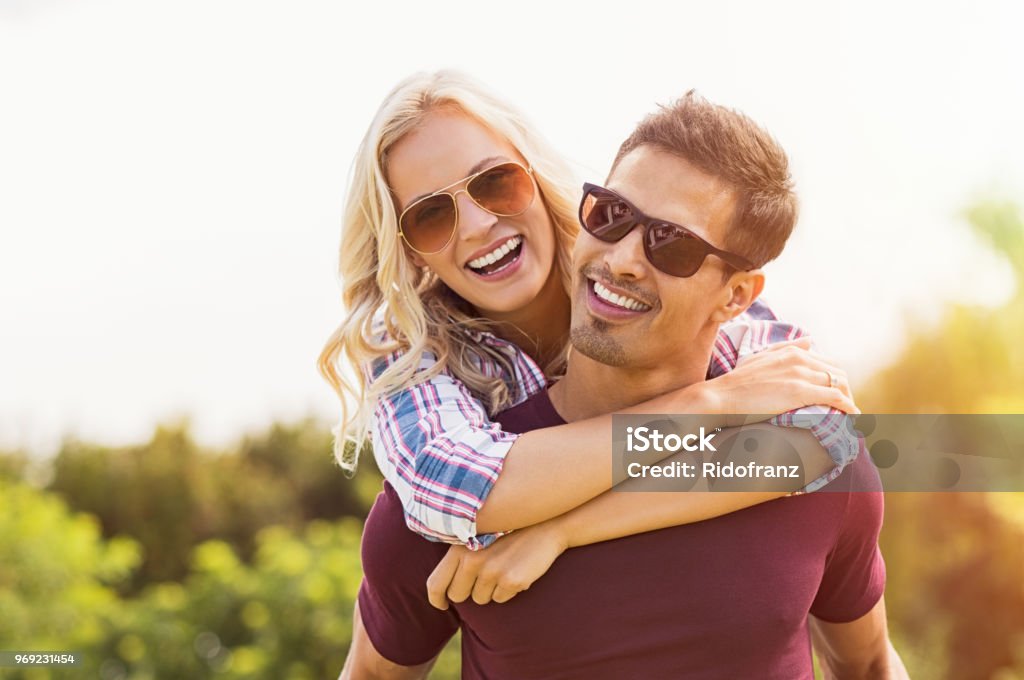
[{"x": 455, "y": 261}]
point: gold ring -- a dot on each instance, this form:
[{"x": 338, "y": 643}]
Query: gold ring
[{"x": 832, "y": 382}]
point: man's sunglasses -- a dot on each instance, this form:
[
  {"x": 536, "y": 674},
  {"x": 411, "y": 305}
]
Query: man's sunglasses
[
  {"x": 673, "y": 249},
  {"x": 505, "y": 190}
]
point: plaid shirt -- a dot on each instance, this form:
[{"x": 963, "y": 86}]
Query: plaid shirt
[{"x": 436, "y": 445}]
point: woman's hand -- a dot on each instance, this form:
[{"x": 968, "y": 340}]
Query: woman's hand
[
  {"x": 783, "y": 377},
  {"x": 499, "y": 572}
]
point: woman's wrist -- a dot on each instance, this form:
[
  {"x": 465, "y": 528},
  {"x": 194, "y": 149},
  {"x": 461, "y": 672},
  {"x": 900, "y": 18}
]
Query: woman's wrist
[
  {"x": 700, "y": 397},
  {"x": 558, "y": 530}
]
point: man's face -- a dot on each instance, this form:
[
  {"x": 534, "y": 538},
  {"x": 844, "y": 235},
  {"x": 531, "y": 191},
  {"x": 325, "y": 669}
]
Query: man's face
[{"x": 672, "y": 312}]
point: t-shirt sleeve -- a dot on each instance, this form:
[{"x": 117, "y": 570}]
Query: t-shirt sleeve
[
  {"x": 854, "y": 576},
  {"x": 399, "y": 619}
]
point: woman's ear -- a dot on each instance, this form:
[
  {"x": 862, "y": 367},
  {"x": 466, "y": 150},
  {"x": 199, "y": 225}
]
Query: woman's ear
[
  {"x": 417, "y": 259},
  {"x": 741, "y": 290}
]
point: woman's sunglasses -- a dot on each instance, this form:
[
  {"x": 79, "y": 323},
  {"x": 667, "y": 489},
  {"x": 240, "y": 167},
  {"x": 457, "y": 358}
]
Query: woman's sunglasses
[
  {"x": 673, "y": 249},
  {"x": 505, "y": 190}
]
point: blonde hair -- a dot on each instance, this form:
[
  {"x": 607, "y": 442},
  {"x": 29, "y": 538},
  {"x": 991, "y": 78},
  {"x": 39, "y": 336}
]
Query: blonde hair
[{"x": 420, "y": 313}]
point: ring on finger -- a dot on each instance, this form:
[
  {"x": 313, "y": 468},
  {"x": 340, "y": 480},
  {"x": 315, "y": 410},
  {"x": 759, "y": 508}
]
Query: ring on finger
[{"x": 832, "y": 380}]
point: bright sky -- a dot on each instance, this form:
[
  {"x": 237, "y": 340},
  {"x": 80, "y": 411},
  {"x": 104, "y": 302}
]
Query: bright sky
[{"x": 172, "y": 173}]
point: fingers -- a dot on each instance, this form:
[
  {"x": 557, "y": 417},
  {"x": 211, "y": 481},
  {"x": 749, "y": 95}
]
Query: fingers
[
  {"x": 843, "y": 402},
  {"x": 441, "y": 578},
  {"x": 462, "y": 583},
  {"x": 483, "y": 590},
  {"x": 830, "y": 396},
  {"x": 819, "y": 373},
  {"x": 503, "y": 594}
]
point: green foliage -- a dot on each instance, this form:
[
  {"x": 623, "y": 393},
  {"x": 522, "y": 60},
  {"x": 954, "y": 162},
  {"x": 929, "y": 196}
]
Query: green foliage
[
  {"x": 13, "y": 465},
  {"x": 170, "y": 495},
  {"x": 56, "y": 573},
  {"x": 287, "y": 615}
]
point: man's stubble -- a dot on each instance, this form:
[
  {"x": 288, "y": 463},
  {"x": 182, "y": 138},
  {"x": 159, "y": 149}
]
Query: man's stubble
[{"x": 594, "y": 341}]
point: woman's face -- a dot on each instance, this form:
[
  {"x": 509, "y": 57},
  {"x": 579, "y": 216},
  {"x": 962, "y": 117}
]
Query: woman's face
[{"x": 447, "y": 147}]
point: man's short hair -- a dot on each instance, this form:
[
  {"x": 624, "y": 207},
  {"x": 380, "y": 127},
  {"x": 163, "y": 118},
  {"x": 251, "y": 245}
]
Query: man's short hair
[{"x": 727, "y": 144}]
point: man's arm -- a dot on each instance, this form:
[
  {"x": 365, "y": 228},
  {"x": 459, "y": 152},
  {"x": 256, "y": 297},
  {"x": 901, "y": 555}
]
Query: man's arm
[
  {"x": 364, "y": 662},
  {"x": 858, "y": 650}
]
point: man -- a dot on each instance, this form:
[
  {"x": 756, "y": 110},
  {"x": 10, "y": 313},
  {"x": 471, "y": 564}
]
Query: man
[{"x": 738, "y": 596}]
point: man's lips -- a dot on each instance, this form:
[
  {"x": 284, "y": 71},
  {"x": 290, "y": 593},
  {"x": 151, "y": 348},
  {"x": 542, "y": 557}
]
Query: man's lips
[
  {"x": 613, "y": 294},
  {"x": 617, "y": 309}
]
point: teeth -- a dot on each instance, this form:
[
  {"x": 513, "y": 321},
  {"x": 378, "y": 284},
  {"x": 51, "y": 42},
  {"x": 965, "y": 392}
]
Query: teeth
[
  {"x": 619, "y": 300},
  {"x": 496, "y": 254}
]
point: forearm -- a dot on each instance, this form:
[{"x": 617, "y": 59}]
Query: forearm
[
  {"x": 889, "y": 667},
  {"x": 543, "y": 477},
  {"x": 628, "y": 509},
  {"x": 858, "y": 650}
]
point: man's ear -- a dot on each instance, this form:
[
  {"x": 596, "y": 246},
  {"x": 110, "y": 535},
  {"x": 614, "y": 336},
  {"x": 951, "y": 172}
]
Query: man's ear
[{"x": 740, "y": 292}]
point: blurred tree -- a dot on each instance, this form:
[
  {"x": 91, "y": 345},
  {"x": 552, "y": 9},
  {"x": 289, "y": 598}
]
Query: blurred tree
[
  {"x": 956, "y": 560},
  {"x": 13, "y": 465},
  {"x": 149, "y": 492},
  {"x": 171, "y": 496}
]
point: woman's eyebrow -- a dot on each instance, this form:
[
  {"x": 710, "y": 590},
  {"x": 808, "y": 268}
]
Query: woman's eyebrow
[{"x": 486, "y": 163}]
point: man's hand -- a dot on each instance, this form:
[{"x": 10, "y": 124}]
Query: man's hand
[
  {"x": 858, "y": 650},
  {"x": 499, "y": 572}
]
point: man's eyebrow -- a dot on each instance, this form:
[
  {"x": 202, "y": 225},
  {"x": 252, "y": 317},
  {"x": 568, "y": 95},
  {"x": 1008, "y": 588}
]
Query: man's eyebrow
[{"x": 483, "y": 164}]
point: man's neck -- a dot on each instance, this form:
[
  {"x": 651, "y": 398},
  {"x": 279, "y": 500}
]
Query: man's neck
[{"x": 591, "y": 388}]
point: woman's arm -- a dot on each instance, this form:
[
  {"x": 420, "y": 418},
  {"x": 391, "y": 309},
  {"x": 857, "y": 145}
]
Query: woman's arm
[
  {"x": 514, "y": 563},
  {"x": 462, "y": 480},
  {"x": 543, "y": 478}
]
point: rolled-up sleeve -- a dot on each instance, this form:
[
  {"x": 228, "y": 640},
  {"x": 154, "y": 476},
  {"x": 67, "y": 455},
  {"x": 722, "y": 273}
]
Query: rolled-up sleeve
[{"x": 436, "y": 445}]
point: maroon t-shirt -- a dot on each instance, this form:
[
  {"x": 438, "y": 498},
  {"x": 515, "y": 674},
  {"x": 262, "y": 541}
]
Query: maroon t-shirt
[{"x": 725, "y": 598}]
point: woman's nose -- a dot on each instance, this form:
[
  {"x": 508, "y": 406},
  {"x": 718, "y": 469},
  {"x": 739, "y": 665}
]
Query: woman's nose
[{"x": 474, "y": 221}]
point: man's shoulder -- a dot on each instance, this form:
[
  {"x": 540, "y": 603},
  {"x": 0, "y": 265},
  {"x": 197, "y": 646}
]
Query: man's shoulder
[
  {"x": 535, "y": 413},
  {"x": 388, "y": 543}
]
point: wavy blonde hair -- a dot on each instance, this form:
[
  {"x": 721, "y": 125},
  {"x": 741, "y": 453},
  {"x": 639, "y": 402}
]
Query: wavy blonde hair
[{"x": 421, "y": 314}]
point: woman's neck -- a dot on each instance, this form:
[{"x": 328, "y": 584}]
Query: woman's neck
[{"x": 542, "y": 328}]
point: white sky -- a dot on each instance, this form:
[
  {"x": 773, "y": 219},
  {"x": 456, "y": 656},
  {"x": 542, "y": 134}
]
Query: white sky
[{"x": 172, "y": 173}]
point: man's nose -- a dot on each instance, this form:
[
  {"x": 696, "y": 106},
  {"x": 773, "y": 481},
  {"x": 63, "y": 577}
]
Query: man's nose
[
  {"x": 474, "y": 221},
  {"x": 626, "y": 257}
]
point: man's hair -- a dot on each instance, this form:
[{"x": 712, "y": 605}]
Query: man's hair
[{"x": 727, "y": 144}]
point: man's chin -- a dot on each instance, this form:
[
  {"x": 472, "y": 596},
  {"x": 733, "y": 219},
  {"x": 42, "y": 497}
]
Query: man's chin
[{"x": 595, "y": 343}]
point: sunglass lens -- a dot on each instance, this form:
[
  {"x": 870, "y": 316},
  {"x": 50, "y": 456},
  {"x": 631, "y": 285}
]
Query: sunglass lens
[
  {"x": 504, "y": 190},
  {"x": 674, "y": 251},
  {"x": 605, "y": 216},
  {"x": 429, "y": 224}
]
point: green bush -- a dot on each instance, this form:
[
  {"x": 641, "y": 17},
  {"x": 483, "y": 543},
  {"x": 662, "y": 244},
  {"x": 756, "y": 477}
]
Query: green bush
[
  {"x": 57, "y": 573},
  {"x": 170, "y": 495},
  {"x": 287, "y": 615}
]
